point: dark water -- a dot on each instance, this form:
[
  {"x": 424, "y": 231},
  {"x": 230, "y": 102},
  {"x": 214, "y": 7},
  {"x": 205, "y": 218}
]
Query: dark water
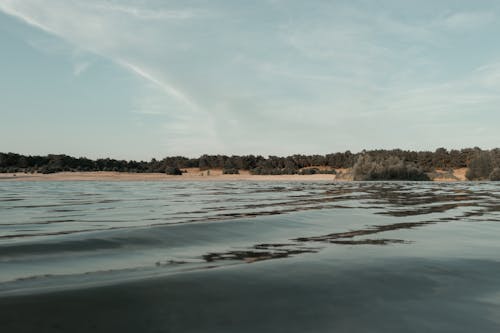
[{"x": 249, "y": 256}]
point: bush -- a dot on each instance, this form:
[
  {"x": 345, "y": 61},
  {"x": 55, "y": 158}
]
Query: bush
[
  {"x": 309, "y": 171},
  {"x": 391, "y": 168},
  {"x": 495, "y": 174},
  {"x": 173, "y": 171},
  {"x": 269, "y": 171},
  {"x": 47, "y": 170},
  {"x": 480, "y": 167},
  {"x": 230, "y": 171}
]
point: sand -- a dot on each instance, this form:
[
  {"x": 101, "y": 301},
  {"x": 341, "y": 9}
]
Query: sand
[
  {"x": 192, "y": 174},
  {"x": 456, "y": 175},
  {"x": 460, "y": 173}
]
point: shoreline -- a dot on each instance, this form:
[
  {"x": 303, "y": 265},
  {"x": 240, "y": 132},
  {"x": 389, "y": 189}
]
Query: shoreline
[
  {"x": 190, "y": 175},
  {"x": 125, "y": 176}
]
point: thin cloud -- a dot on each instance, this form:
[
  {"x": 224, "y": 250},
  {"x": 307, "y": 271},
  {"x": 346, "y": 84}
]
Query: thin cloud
[
  {"x": 4, "y": 6},
  {"x": 263, "y": 72},
  {"x": 9, "y": 8},
  {"x": 146, "y": 14},
  {"x": 80, "y": 68},
  {"x": 467, "y": 20},
  {"x": 172, "y": 91}
]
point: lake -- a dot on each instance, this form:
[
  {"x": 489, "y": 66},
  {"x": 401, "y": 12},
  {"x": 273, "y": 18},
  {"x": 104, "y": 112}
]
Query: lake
[{"x": 249, "y": 256}]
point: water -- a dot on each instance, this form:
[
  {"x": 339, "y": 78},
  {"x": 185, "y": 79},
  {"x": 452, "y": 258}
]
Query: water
[{"x": 249, "y": 256}]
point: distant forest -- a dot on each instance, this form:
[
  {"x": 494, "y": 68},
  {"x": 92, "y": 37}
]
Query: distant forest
[{"x": 374, "y": 164}]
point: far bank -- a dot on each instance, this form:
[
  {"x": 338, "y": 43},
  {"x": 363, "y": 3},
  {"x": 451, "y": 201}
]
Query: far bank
[{"x": 195, "y": 174}]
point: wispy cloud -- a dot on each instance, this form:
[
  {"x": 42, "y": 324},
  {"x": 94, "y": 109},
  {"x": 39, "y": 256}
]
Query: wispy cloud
[
  {"x": 80, "y": 67},
  {"x": 144, "y": 13},
  {"x": 170, "y": 90},
  {"x": 467, "y": 20},
  {"x": 6, "y": 7},
  {"x": 91, "y": 31},
  {"x": 288, "y": 75}
]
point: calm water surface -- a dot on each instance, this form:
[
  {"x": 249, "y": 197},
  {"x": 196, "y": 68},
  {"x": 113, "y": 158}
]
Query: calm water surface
[{"x": 249, "y": 256}]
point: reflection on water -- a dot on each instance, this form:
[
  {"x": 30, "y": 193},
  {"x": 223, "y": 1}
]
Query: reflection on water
[{"x": 259, "y": 252}]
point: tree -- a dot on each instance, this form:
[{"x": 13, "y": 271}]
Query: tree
[
  {"x": 480, "y": 167},
  {"x": 390, "y": 168}
]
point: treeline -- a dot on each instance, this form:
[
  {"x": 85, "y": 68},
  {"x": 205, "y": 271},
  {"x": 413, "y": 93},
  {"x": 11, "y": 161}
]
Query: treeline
[
  {"x": 391, "y": 168},
  {"x": 484, "y": 166},
  {"x": 11, "y": 162},
  {"x": 424, "y": 161}
]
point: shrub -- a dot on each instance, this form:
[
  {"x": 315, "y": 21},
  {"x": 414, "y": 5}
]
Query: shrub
[
  {"x": 309, "y": 171},
  {"x": 47, "y": 170},
  {"x": 230, "y": 171},
  {"x": 173, "y": 171},
  {"x": 391, "y": 168},
  {"x": 270, "y": 171},
  {"x": 480, "y": 167},
  {"x": 495, "y": 174}
]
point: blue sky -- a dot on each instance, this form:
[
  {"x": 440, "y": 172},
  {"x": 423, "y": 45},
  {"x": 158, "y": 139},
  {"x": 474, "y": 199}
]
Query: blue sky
[{"x": 149, "y": 78}]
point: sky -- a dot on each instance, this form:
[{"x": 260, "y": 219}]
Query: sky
[{"x": 138, "y": 79}]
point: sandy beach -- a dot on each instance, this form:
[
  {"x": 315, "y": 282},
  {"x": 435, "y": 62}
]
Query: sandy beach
[
  {"x": 192, "y": 174},
  {"x": 456, "y": 175}
]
